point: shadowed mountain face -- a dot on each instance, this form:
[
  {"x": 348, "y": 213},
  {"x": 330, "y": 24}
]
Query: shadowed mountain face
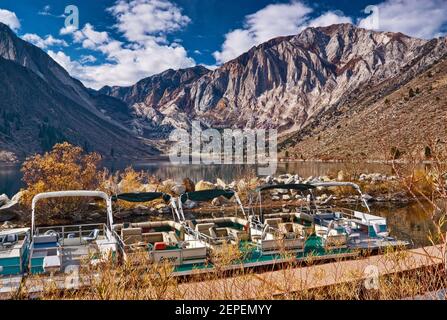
[{"x": 40, "y": 104}]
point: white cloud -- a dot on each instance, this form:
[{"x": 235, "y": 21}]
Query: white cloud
[
  {"x": 43, "y": 43},
  {"x": 329, "y": 18},
  {"x": 73, "y": 67},
  {"x": 67, "y": 30},
  {"x": 423, "y": 19},
  {"x": 140, "y": 20},
  {"x": 87, "y": 59},
  {"x": 10, "y": 19},
  {"x": 46, "y": 11},
  {"x": 146, "y": 52},
  {"x": 272, "y": 21}
]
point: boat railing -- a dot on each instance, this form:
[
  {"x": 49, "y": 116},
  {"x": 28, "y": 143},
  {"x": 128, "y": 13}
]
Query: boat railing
[
  {"x": 72, "y": 235},
  {"x": 206, "y": 238},
  {"x": 120, "y": 243},
  {"x": 364, "y": 218}
]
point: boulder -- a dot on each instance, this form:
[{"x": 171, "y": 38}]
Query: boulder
[
  {"x": 242, "y": 185},
  {"x": 189, "y": 204},
  {"x": 269, "y": 180},
  {"x": 221, "y": 184},
  {"x": 9, "y": 211},
  {"x": 204, "y": 185},
  {"x": 282, "y": 191},
  {"x": 284, "y": 176},
  {"x": 290, "y": 180},
  {"x": 178, "y": 189},
  {"x": 286, "y": 197},
  {"x": 18, "y": 196},
  {"x": 341, "y": 176},
  {"x": 160, "y": 206},
  {"x": 3, "y": 199},
  {"x": 217, "y": 202},
  {"x": 368, "y": 198},
  {"x": 276, "y": 198},
  {"x": 7, "y": 225},
  {"x": 168, "y": 184},
  {"x": 96, "y": 216},
  {"x": 189, "y": 185},
  {"x": 164, "y": 210}
]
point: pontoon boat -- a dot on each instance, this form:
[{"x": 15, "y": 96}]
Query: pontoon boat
[
  {"x": 56, "y": 248},
  {"x": 163, "y": 240}
]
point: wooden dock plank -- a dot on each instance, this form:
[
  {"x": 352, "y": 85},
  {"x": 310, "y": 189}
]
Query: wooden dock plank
[{"x": 312, "y": 277}]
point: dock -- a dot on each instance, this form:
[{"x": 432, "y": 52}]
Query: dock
[
  {"x": 293, "y": 280},
  {"x": 281, "y": 282}
]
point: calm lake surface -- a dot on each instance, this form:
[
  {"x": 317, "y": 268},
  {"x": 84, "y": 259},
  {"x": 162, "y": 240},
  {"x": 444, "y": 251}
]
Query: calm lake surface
[
  {"x": 407, "y": 221},
  {"x": 10, "y": 176}
]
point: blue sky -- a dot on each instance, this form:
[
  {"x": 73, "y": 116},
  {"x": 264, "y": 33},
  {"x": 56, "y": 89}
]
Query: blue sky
[{"x": 122, "y": 41}]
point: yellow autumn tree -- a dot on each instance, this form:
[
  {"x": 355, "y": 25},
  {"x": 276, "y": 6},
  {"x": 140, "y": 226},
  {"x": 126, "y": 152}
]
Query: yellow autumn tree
[{"x": 65, "y": 167}]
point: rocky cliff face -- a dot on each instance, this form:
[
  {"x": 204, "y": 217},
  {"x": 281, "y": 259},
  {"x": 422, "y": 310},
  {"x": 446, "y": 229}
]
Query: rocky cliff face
[
  {"x": 40, "y": 104},
  {"x": 287, "y": 82},
  {"x": 301, "y": 85}
]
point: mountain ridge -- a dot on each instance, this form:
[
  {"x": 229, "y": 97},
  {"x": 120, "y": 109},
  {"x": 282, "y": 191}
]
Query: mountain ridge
[
  {"x": 299, "y": 84},
  {"x": 286, "y": 82},
  {"x": 32, "y": 119}
]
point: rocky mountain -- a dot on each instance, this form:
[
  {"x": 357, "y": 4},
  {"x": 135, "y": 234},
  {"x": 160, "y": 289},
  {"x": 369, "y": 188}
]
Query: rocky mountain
[
  {"x": 317, "y": 88},
  {"x": 287, "y": 83},
  {"x": 153, "y": 101},
  {"x": 41, "y": 104},
  {"x": 383, "y": 122}
]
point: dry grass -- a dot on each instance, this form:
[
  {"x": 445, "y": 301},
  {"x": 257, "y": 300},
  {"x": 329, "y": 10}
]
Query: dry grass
[{"x": 140, "y": 280}]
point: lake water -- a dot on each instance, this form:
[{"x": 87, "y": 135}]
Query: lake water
[
  {"x": 408, "y": 221},
  {"x": 10, "y": 176}
]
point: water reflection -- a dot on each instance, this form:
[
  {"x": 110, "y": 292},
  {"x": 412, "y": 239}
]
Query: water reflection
[
  {"x": 10, "y": 179},
  {"x": 408, "y": 221}
]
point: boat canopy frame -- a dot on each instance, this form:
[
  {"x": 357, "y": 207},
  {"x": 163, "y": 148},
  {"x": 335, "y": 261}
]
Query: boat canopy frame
[
  {"x": 307, "y": 187},
  {"x": 204, "y": 196},
  {"x": 71, "y": 194},
  {"x": 141, "y": 197}
]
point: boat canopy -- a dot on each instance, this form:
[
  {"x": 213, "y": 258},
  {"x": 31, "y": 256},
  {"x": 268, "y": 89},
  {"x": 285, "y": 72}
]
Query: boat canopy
[
  {"x": 64, "y": 194},
  {"x": 206, "y": 195},
  {"x": 298, "y": 186},
  {"x": 142, "y": 197}
]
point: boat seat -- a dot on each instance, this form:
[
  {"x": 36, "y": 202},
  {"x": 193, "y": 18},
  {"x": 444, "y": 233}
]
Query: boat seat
[
  {"x": 9, "y": 240},
  {"x": 131, "y": 235},
  {"x": 170, "y": 237},
  {"x": 274, "y": 222},
  {"x": 46, "y": 239},
  {"x": 152, "y": 237},
  {"x": 239, "y": 234},
  {"x": 205, "y": 228},
  {"x": 221, "y": 232}
]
